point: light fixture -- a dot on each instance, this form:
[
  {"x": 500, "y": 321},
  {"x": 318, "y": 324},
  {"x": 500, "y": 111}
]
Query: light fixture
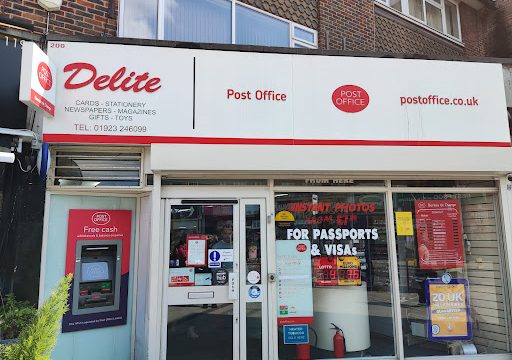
[
  {"x": 50, "y": 5},
  {"x": 6, "y": 157}
]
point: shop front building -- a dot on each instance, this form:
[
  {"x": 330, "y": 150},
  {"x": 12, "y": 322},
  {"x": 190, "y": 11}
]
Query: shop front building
[{"x": 228, "y": 204}]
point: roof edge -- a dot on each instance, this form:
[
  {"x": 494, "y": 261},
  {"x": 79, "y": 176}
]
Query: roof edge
[{"x": 267, "y": 49}]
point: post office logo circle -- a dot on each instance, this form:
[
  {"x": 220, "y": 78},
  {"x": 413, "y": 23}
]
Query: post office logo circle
[
  {"x": 350, "y": 98},
  {"x": 100, "y": 218},
  {"x": 301, "y": 247},
  {"x": 44, "y": 75}
]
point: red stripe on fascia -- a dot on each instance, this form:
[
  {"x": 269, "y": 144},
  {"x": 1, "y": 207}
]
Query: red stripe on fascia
[{"x": 146, "y": 140}]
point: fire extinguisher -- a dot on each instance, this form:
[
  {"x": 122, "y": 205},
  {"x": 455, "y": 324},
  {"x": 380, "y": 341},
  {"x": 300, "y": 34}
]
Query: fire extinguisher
[{"x": 339, "y": 342}]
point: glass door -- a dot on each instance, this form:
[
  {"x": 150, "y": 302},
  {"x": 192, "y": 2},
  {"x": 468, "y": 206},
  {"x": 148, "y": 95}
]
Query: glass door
[{"x": 216, "y": 299}]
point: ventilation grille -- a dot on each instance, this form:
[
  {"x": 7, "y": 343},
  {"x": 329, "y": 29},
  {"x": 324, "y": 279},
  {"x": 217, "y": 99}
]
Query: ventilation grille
[{"x": 96, "y": 168}]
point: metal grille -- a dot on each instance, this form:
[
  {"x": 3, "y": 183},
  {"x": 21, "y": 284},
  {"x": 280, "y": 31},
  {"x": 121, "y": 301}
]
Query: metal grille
[{"x": 112, "y": 167}]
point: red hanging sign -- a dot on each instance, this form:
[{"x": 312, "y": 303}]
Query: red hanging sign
[{"x": 439, "y": 232}]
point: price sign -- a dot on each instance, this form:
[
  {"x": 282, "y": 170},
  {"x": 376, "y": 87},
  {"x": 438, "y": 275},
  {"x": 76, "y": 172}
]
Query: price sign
[
  {"x": 325, "y": 272},
  {"x": 349, "y": 271}
]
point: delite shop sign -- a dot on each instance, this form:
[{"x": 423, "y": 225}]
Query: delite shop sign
[
  {"x": 37, "y": 81},
  {"x": 227, "y": 97}
]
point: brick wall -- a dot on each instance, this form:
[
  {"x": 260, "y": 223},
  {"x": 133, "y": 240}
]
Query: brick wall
[
  {"x": 346, "y": 25},
  {"x": 399, "y": 36},
  {"x": 503, "y": 30},
  {"x": 89, "y": 17},
  {"x": 303, "y": 12}
]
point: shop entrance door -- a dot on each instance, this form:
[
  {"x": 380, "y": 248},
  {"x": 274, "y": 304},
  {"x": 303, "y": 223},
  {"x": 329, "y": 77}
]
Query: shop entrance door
[{"x": 217, "y": 279}]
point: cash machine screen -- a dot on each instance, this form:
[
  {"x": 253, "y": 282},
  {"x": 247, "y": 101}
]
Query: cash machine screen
[{"x": 94, "y": 271}]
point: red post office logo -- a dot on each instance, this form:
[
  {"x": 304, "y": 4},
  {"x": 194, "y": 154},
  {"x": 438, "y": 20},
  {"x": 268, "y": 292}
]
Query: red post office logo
[
  {"x": 301, "y": 247},
  {"x": 350, "y": 98},
  {"x": 44, "y": 75},
  {"x": 100, "y": 218}
]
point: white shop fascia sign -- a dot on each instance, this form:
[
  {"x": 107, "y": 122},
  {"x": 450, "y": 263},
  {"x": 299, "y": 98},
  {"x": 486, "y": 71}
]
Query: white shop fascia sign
[
  {"x": 127, "y": 94},
  {"x": 37, "y": 79}
]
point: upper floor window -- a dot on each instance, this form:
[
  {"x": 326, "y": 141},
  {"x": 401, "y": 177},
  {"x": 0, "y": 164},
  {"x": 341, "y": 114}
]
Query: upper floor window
[
  {"x": 211, "y": 21},
  {"x": 440, "y": 15}
]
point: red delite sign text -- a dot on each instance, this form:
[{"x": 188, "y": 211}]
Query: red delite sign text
[
  {"x": 118, "y": 81},
  {"x": 350, "y": 98}
]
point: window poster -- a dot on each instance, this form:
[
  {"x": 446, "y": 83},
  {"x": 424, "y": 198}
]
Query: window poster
[
  {"x": 196, "y": 249},
  {"x": 448, "y": 309},
  {"x": 294, "y": 287},
  {"x": 404, "y": 225},
  {"x": 439, "y": 232}
]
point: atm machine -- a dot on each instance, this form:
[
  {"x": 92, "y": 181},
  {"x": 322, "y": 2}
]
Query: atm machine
[{"x": 97, "y": 281}]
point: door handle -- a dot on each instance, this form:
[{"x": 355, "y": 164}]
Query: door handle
[
  {"x": 233, "y": 286},
  {"x": 271, "y": 277}
]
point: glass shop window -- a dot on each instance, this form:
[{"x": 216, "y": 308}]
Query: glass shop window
[
  {"x": 452, "y": 283},
  {"x": 333, "y": 275},
  {"x": 210, "y": 227}
]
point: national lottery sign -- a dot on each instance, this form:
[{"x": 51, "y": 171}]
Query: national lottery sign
[{"x": 448, "y": 309}]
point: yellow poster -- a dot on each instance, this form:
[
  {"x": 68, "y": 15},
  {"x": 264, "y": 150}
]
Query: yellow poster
[
  {"x": 448, "y": 311},
  {"x": 404, "y": 223}
]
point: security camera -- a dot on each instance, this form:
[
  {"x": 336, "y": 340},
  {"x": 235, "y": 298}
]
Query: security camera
[{"x": 509, "y": 177}]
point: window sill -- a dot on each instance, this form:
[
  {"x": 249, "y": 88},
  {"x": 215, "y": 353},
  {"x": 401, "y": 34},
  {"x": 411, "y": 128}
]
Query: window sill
[{"x": 419, "y": 23}]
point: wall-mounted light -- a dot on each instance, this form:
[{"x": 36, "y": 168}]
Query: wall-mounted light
[
  {"x": 50, "y": 5},
  {"x": 6, "y": 157}
]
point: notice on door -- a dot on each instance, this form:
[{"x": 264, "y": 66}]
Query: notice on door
[
  {"x": 294, "y": 282},
  {"x": 196, "y": 250},
  {"x": 439, "y": 232},
  {"x": 448, "y": 310}
]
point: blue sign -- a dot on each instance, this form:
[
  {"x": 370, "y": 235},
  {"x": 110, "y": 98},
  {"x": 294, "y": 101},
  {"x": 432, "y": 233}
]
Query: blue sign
[
  {"x": 296, "y": 334},
  {"x": 254, "y": 292},
  {"x": 214, "y": 255}
]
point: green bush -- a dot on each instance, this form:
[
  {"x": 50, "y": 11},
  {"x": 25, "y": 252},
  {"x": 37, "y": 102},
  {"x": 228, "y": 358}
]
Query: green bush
[
  {"x": 14, "y": 316},
  {"x": 37, "y": 340}
]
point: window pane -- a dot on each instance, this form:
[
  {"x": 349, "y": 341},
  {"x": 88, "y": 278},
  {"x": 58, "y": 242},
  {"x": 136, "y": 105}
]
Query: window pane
[
  {"x": 416, "y": 9},
  {"x": 396, "y": 4},
  {"x": 140, "y": 18},
  {"x": 452, "y": 21},
  {"x": 304, "y": 35},
  {"x": 194, "y": 330},
  {"x": 206, "y": 21},
  {"x": 327, "y": 182},
  {"x": 254, "y": 28},
  {"x": 452, "y": 286},
  {"x": 444, "y": 183},
  {"x": 350, "y": 272},
  {"x": 434, "y": 17},
  {"x": 254, "y": 331},
  {"x": 210, "y": 223}
]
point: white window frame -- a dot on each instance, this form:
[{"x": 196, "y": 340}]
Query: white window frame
[
  {"x": 293, "y": 40},
  {"x": 408, "y": 16}
]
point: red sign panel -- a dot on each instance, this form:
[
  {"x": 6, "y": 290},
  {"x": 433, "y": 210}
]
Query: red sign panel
[
  {"x": 101, "y": 226},
  {"x": 439, "y": 232},
  {"x": 325, "y": 271}
]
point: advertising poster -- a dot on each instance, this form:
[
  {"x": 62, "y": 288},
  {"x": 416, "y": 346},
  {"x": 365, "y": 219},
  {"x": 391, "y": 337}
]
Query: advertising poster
[
  {"x": 181, "y": 276},
  {"x": 404, "y": 225},
  {"x": 196, "y": 249},
  {"x": 439, "y": 232},
  {"x": 448, "y": 310},
  {"x": 294, "y": 286},
  {"x": 99, "y": 229}
]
